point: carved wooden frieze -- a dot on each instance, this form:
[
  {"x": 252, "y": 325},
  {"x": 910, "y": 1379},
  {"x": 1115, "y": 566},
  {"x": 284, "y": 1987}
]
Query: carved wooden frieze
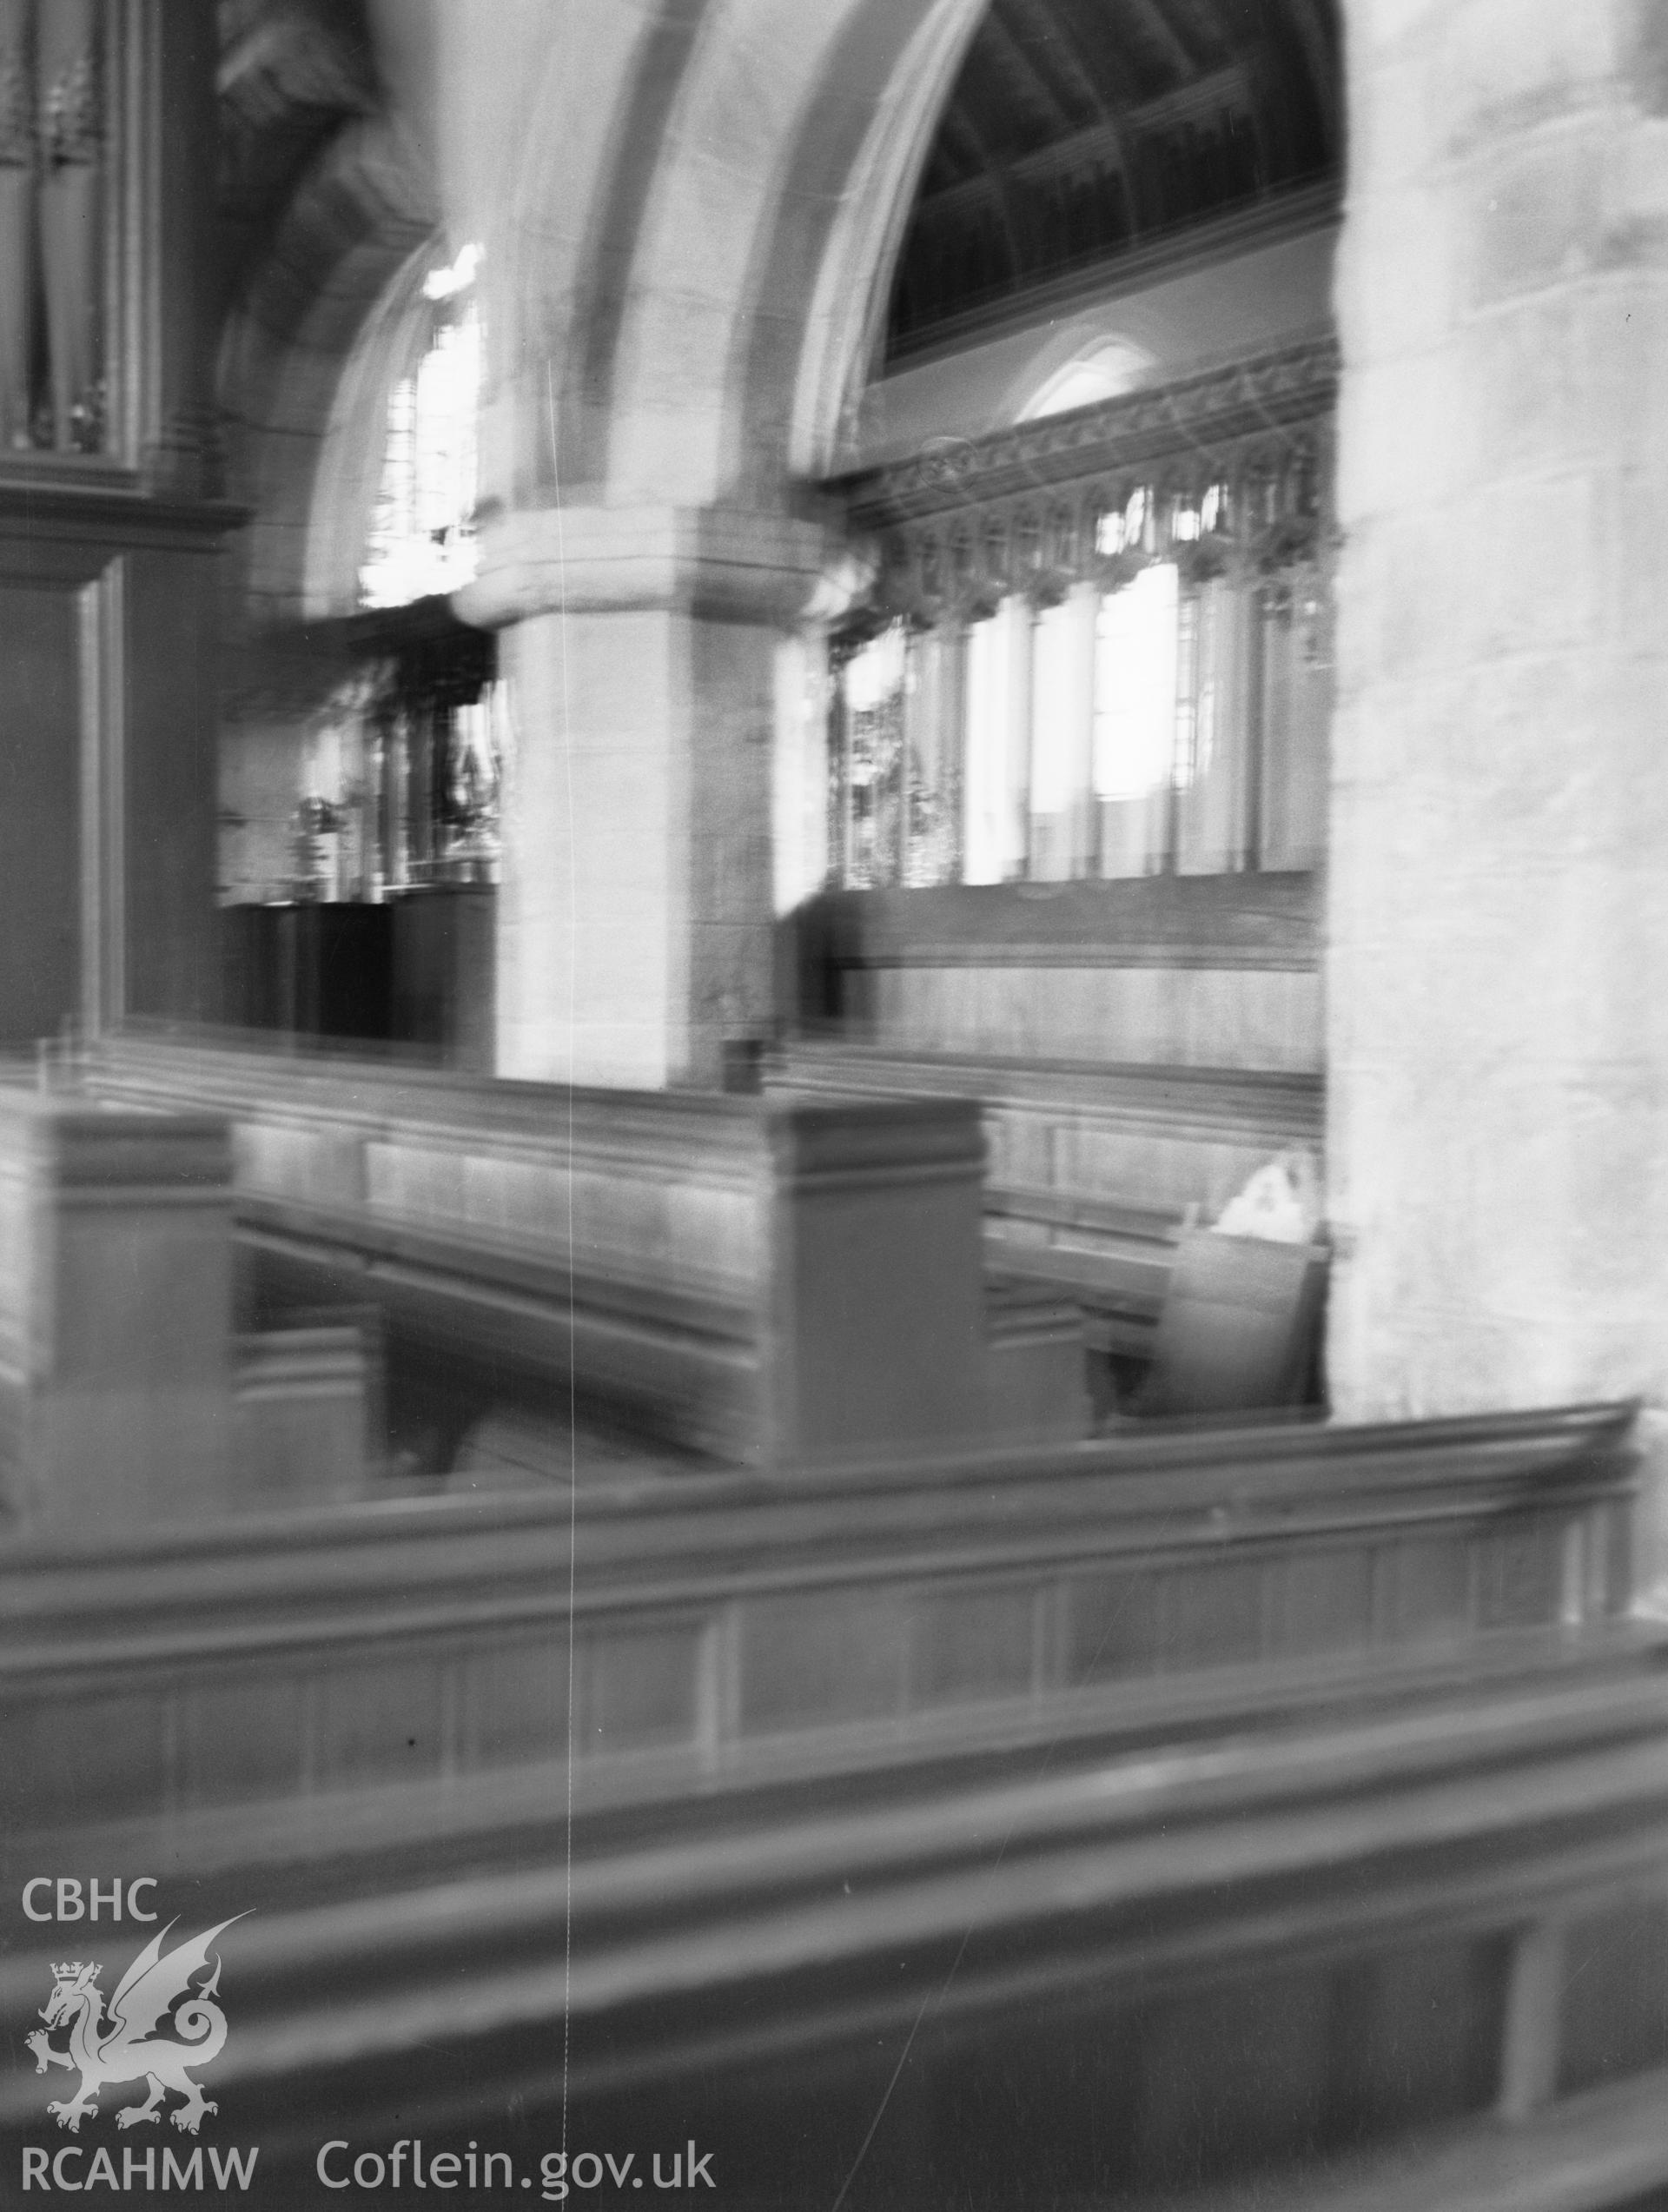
[{"x": 1226, "y": 473}]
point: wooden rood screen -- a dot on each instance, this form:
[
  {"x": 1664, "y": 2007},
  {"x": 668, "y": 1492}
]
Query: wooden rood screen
[{"x": 1097, "y": 645}]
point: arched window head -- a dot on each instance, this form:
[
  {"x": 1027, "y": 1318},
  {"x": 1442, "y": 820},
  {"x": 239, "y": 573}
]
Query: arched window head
[
  {"x": 1104, "y": 372},
  {"x": 423, "y": 535},
  {"x": 447, "y": 283}
]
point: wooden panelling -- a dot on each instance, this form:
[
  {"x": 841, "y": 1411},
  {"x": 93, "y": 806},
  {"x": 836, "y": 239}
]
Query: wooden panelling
[
  {"x": 43, "y": 652},
  {"x": 1147, "y": 1141},
  {"x": 399, "y": 1639},
  {"x": 1322, "y": 1602},
  {"x": 816, "y": 1660},
  {"x": 514, "y": 1702},
  {"x": 1613, "y": 2008},
  {"x": 1233, "y": 2080},
  {"x": 641, "y": 1688},
  {"x": 976, "y": 1644},
  {"x": 244, "y": 1733},
  {"x": 381, "y": 1722},
  {"x": 1240, "y": 1964},
  {"x": 1195, "y": 971},
  {"x": 1269, "y": 921},
  {"x": 1416, "y": 2035},
  {"x": 1119, "y": 1783},
  {"x": 1111, "y": 1626},
  {"x": 106, "y": 626},
  {"x": 1428, "y": 1589},
  {"x": 1194, "y": 1016},
  {"x": 170, "y": 779},
  {"x": 99, "y": 1755},
  {"x": 1211, "y": 1613},
  {"x": 1519, "y": 1570}
]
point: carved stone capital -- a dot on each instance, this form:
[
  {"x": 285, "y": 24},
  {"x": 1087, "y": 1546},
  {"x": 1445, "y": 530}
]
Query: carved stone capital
[{"x": 726, "y": 563}]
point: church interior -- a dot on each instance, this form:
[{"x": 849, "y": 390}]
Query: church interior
[{"x": 832, "y": 1353}]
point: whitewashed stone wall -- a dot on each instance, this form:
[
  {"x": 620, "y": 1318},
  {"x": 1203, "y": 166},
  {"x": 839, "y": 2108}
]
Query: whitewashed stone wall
[{"x": 1498, "y": 923}]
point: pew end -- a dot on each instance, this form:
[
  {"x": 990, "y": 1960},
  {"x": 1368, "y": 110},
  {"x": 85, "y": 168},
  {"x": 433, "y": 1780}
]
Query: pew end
[
  {"x": 306, "y": 1400},
  {"x": 1035, "y": 1378}
]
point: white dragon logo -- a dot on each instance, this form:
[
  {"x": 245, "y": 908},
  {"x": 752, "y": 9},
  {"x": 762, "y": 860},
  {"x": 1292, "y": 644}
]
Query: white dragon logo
[{"x": 126, "y": 2048}]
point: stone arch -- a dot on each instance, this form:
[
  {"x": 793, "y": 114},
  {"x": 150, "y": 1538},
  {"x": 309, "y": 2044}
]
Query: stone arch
[
  {"x": 363, "y": 215},
  {"x": 847, "y": 301},
  {"x": 757, "y": 278},
  {"x": 746, "y": 293},
  {"x": 549, "y": 117}
]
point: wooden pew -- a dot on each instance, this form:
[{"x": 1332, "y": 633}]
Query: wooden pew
[
  {"x": 126, "y": 1400},
  {"x": 1096, "y": 1172},
  {"x": 1142, "y": 1137},
  {"x": 1321, "y": 1820},
  {"x": 717, "y": 1614},
  {"x": 1113, "y": 1260},
  {"x": 712, "y": 1271},
  {"x": 722, "y": 1613}
]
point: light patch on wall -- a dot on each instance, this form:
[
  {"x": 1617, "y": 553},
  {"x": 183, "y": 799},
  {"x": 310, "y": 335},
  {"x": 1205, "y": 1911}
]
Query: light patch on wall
[
  {"x": 1137, "y": 641},
  {"x": 1105, "y": 372},
  {"x": 445, "y": 283}
]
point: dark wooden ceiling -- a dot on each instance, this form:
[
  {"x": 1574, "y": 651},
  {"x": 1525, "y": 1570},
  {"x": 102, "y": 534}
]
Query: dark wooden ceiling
[{"x": 1080, "y": 129}]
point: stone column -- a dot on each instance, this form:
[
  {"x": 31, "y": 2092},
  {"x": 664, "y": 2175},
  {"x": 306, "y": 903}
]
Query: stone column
[
  {"x": 635, "y": 911},
  {"x": 1497, "y": 898}
]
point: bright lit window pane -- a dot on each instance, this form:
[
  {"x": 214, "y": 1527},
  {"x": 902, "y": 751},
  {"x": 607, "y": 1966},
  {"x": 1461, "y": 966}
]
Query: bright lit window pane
[
  {"x": 985, "y": 758},
  {"x": 875, "y": 671},
  {"x": 1051, "y": 706},
  {"x": 423, "y": 535},
  {"x": 1135, "y": 666},
  {"x": 874, "y": 727}
]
